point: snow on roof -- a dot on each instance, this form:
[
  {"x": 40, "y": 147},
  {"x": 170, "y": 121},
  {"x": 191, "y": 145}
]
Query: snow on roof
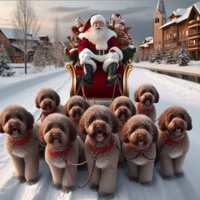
[
  {"x": 18, "y": 47},
  {"x": 183, "y": 13},
  {"x": 149, "y": 40},
  {"x": 10, "y": 34},
  {"x": 197, "y": 6}
]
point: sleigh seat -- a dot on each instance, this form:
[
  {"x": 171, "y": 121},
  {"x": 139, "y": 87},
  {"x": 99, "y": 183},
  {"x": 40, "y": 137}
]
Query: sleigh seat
[{"x": 99, "y": 90}]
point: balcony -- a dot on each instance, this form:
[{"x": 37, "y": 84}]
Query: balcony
[
  {"x": 194, "y": 46},
  {"x": 193, "y": 23},
  {"x": 193, "y": 33}
]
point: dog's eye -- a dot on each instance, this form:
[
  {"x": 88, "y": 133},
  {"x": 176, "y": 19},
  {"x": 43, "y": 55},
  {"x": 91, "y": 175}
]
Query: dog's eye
[
  {"x": 71, "y": 106},
  {"x": 91, "y": 119},
  {"x": 171, "y": 117},
  {"x": 182, "y": 116},
  {"x": 127, "y": 105},
  {"x": 61, "y": 127},
  {"x": 7, "y": 118},
  {"x": 105, "y": 119},
  {"x": 50, "y": 97},
  {"x": 19, "y": 117}
]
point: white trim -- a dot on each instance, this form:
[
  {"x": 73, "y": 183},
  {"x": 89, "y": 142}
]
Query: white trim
[
  {"x": 117, "y": 51},
  {"x": 107, "y": 62},
  {"x": 97, "y": 18}
]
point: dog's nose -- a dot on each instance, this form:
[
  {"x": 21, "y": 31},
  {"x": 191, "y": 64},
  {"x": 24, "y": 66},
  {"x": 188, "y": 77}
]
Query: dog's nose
[{"x": 141, "y": 137}]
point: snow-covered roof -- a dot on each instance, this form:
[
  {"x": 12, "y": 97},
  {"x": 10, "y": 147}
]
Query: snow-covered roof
[
  {"x": 18, "y": 47},
  {"x": 183, "y": 13},
  {"x": 147, "y": 41},
  {"x": 10, "y": 34},
  {"x": 197, "y": 6}
]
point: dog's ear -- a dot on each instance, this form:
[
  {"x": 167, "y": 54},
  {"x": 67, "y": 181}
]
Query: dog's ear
[
  {"x": 124, "y": 134},
  {"x": 41, "y": 134},
  {"x": 29, "y": 120},
  {"x": 115, "y": 123},
  {"x": 65, "y": 110},
  {"x": 37, "y": 101},
  {"x": 111, "y": 106},
  {"x": 137, "y": 95},
  {"x": 156, "y": 96},
  {"x": 57, "y": 98},
  {"x": 1, "y": 123},
  {"x": 73, "y": 130},
  {"x": 82, "y": 124},
  {"x": 133, "y": 109},
  {"x": 155, "y": 133},
  {"x": 86, "y": 104},
  {"x": 161, "y": 121},
  {"x": 189, "y": 119}
]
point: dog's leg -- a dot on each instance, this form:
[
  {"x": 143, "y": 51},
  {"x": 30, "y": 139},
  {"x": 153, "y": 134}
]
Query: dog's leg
[
  {"x": 18, "y": 164},
  {"x": 32, "y": 168},
  {"x": 57, "y": 174},
  {"x": 107, "y": 182},
  {"x": 146, "y": 173},
  {"x": 178, "y": 163},
  {"x": 95, "y": 177},
  {"x": 133, "y": 171},
  {"x": 67, "y": 182},
  {"x": 166, "y": 165}
]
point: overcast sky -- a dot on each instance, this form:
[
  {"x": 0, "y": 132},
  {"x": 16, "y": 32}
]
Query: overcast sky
[{"x": 137, "y": 14}]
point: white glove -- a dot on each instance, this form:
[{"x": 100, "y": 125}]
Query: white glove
[
  {"x": 86, "y": 56},
  {"x": 115, "y": 56}
]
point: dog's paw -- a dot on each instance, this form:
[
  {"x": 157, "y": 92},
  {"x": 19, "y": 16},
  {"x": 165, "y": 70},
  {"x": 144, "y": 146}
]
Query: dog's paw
[
  {"x": 179, "y": 175},
  {"x": 21, "y": 179},
  {"x": 57, "y": 186},
  {"x": 32, "y": 181},
  {"x": 94, "y": 187},
  {"x": 106, "y": 195},
  {"x": 167, "y": 177},
  {"x": 146, "y": 183},
  {"x": 67, "y": 189},
  {"x": 136, "y": 180}
]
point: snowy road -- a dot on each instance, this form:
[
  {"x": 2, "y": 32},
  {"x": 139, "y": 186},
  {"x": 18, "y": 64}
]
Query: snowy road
[{"x": 172, "y": 92}]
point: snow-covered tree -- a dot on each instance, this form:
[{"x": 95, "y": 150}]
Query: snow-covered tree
[
  {"x": 158, "y": 56},
  {"x": 170, "y": 57},
  {"x": 5, "y": 69},
  {"x": 184, "y": 58},
  {"x": 39, "y": 60}
]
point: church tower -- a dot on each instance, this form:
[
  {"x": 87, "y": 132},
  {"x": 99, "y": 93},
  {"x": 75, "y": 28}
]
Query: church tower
[{"x": 159, "y": 18}]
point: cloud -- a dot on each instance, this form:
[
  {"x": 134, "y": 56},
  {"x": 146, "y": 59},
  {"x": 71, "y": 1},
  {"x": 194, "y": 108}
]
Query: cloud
[{"x": 61, "y": 9}]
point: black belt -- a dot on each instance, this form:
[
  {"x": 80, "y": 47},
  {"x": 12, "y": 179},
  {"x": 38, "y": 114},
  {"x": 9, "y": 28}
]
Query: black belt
[{"x": 100, "y": 52}]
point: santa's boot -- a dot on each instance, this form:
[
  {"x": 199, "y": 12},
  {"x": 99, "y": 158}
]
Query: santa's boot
[
  {"x": 112, "y": 77},
  {"x": 87, "y": 77}
]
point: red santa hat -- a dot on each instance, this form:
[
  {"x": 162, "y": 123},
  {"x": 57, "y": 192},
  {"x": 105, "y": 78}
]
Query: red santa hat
[
  {"x": 122, "y": 22},
  {"x": 91, "y": 20},
  {"x": 116, "y": 16}
]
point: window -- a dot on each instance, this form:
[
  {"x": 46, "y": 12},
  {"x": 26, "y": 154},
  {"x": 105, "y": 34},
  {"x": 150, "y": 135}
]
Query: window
[{"x": 157, "y": 20}]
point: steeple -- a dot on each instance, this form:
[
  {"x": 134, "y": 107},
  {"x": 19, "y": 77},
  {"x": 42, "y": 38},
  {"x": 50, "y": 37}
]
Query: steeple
[{"x": 161, "y": 8}]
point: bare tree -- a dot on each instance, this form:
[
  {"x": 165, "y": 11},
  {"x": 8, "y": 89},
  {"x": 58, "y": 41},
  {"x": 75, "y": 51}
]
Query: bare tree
[
  {"x": 56, "y": 43},
  {"x": 25, "y": 23}
]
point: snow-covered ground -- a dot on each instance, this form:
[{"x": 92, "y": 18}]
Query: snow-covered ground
[{"x": 22, "y": 89}]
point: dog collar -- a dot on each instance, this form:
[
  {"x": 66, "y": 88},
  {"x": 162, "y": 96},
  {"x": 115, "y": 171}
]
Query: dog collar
[
  {"x": 120, "y": 126},
  {"x": 146, "y": 110},
  {"x": 101, "y": 149},
  {"x": 22, "y": 141},
  {"x": 138, "y": 150},
  {"x": 48, "y": 113},
  {"x": 170, "y": 142},
  {"x": 76, "y": 121},
  {"x": 58, "y": 153}
]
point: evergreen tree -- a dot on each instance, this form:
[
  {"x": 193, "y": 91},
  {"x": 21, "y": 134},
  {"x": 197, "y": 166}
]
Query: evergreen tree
[
  {"x": 170, "y": 57},
  {"x": 5, "y": 70},
  {"x": 158, "y": 56},
  {"x": 184, "y": 58}
]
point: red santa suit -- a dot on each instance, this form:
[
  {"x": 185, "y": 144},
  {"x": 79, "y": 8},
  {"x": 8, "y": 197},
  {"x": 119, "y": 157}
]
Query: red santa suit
[{"x": 86, "y": 48}]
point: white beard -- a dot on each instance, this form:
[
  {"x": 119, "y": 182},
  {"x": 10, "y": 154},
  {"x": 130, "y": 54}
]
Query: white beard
[{"x": 99, "y": 37}]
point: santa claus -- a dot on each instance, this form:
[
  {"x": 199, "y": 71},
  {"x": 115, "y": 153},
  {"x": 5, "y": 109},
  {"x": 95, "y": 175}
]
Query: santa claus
[{"x": 99, "y": 44}]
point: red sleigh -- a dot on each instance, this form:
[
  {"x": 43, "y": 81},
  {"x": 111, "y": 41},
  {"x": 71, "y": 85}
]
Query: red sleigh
[{"x": 99, "y": 90}]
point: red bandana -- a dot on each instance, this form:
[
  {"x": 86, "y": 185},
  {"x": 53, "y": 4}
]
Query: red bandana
[
  {"x": 58, "y": 153},
  {"x": 48, "y": 113},
  {"x": 76, "y": 121},
  {"x": 170, "y": 142},
  {"x": 138, "y": 150},
  {"x": 120, "y": 127},
  {"x": 101, "y": 149},
  {"x": 145, "y": 111},
  {"x": 21, "y": 142}
]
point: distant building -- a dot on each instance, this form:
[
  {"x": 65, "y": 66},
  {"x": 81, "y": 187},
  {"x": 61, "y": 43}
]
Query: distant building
[{"x": 183, "y": 29}]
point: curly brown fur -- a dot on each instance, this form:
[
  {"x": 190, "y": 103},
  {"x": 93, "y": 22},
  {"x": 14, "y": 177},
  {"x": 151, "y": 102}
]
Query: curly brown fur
[
  {"x": 48, "y": 101},
  {"x": 146, "y": 96},
  {"x": 139, "y": 136},
  {"x": 21, "y": 142},
  {"x": 100, "y": 124},
  {"x": 60, "y": 134},
  {"x": 74, "y": 109},
  {"x": 173, "y": 143}
]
